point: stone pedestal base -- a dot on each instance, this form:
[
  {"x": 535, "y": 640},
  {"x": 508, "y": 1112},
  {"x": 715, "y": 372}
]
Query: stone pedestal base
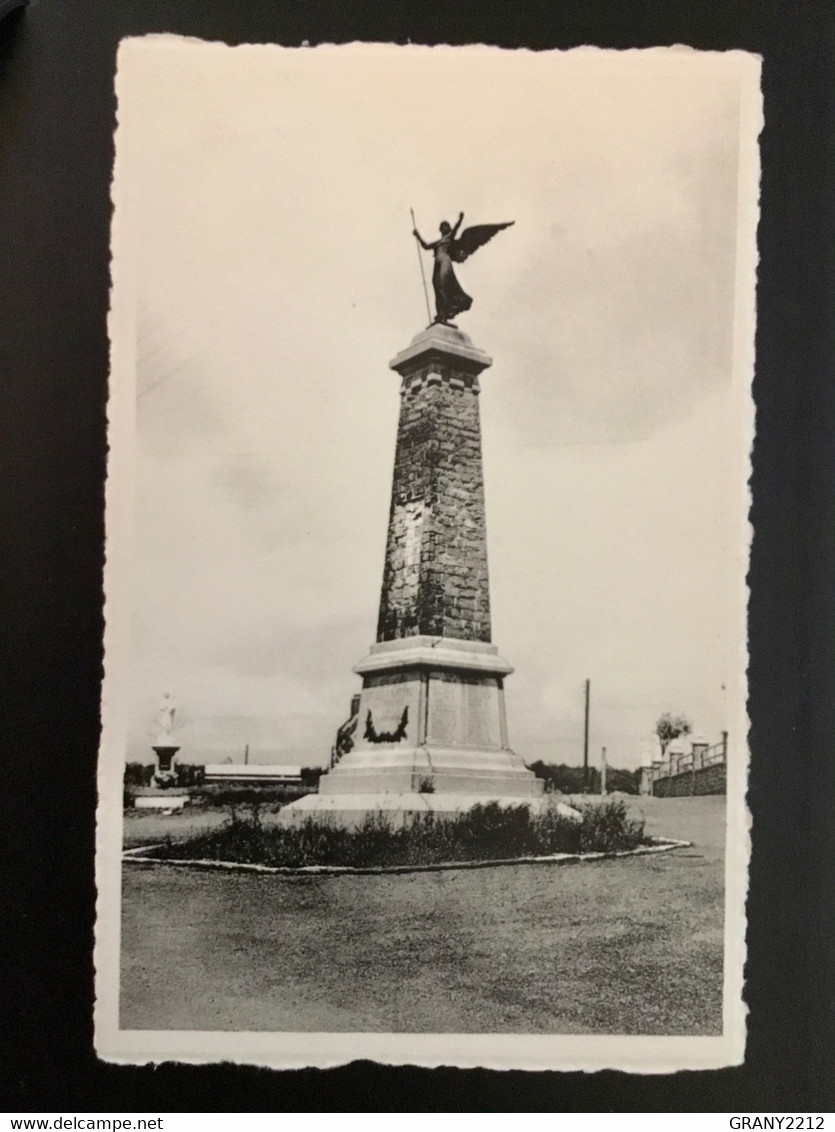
[
  {"x": 431, "y": 735},
  {"x": 165, "y": 773},
  {"x": 350, "y": 810},
  {"x": 482, "y": 772},
  {"x": 150, "y": 799}
]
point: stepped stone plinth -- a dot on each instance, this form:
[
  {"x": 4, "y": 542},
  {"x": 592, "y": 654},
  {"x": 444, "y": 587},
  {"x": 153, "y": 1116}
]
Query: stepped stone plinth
[{"x": 431, "y": 731}]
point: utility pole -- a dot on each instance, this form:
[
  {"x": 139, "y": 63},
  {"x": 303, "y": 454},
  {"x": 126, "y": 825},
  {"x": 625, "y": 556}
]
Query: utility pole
[
  {"x": 586, "y": 741},
  {"x": 246, "y": 754},
  {"x": 603, "y": 772}
]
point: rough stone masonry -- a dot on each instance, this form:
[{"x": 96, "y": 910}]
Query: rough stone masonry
[{"x": 435, "y": 576}]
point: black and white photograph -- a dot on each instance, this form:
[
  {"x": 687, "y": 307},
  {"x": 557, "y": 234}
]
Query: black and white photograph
[{"x": 425, "y": 731}]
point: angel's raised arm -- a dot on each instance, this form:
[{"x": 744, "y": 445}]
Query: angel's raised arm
[
  {"x": 458, "y": 224},
  {"x": 421, "y": 241}
]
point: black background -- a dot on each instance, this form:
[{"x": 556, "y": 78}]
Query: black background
[{"x": 57, "y": 116}]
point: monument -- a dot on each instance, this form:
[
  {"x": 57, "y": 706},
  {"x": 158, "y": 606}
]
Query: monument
[
  {"x": 431, "y": 732},
  {"x": 163, "y": 794},
  {"x": 165, "y": 748}
]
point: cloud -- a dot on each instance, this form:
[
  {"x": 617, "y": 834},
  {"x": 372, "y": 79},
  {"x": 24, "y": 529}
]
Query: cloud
[{"x": 247, "y": 481}]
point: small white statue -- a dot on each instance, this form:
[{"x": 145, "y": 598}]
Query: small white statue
[{"x": 166, "y": 718}]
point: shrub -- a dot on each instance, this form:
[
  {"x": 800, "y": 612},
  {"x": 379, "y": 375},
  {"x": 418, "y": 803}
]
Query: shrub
[
  {"x": 135, "y": 776},
  {"x": 138, "y": 774},
  {"x": 224, "y": 794},
  {"x": 569, "y": 779},
  {"x": 624, "y": 781},
  {"x": 189, "y": 774},
  {"x": 487, "y": 832},
  {"x": 605, "y": 828}
]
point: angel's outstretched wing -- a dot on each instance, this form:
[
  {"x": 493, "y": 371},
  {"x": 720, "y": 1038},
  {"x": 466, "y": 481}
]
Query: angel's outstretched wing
[{"x": 471, "y": 239}]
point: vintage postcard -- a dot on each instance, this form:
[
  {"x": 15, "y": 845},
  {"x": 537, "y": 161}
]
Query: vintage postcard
[{"x": 430, "y": 419}]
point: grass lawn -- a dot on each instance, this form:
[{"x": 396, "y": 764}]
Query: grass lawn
[
  {"x": 631, "y": 946},
  {"x": 144, "y": 827}
]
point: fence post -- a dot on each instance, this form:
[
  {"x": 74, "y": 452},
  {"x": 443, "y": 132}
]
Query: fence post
[{"x": 603, "y": 772}]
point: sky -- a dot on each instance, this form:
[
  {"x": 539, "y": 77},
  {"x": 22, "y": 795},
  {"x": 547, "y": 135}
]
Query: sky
[{"x": 263, "y": 196}]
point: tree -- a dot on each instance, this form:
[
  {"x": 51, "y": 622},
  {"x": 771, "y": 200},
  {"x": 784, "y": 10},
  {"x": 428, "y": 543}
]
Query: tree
[
  {"x": 564, "y": 779},
  {"x": 669, "y": 727}
]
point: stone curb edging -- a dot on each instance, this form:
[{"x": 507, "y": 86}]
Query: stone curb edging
[{"x": 659, "y": 845}]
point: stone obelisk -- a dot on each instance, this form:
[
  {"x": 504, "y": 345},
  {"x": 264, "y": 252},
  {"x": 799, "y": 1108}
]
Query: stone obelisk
[{"x": 431, "y": 732}]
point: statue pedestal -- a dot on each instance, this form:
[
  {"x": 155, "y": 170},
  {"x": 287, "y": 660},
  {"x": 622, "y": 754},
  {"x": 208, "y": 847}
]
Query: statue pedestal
[
  {"x": 431, "y": 737},
  {"x": 163, "y": 795},
  {"x": 165, "y": 753},
  {"x": 447, "y": 698},
  {"x": 166, "y": 801},
  {"x": 348, "y": 811}
]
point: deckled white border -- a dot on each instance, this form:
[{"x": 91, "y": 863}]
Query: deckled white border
[{"x": 323, "y": 1050}]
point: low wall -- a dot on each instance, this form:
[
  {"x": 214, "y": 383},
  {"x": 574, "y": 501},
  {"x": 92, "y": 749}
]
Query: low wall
[
  {"x": 252, "y": 772},
  {"x": 706, "y": 780}
]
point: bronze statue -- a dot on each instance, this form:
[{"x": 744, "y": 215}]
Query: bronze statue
[{"x": 450, "y": 297}]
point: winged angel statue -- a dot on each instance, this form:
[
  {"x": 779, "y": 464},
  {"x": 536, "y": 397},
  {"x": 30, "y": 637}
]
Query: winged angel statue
[{"x": 450, "y": 297}]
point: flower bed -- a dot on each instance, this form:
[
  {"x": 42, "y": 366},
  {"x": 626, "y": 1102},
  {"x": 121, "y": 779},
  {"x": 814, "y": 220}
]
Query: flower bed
[{"x": 487, "y": 832}]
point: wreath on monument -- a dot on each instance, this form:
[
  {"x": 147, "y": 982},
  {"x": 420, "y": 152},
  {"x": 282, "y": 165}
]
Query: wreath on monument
[{"x": 374, "y": 736}]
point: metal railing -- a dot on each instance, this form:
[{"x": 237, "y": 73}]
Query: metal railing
[{"x": 692, "y": 761}]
